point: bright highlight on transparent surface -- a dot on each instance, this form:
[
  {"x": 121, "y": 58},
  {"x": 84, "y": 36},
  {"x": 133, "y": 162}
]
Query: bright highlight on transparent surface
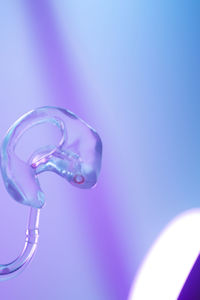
[
  {"x": 170, "y": 260},
  {"x": 77, "y": 158}
]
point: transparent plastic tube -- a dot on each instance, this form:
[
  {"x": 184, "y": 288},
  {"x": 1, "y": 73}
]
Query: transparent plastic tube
[
  {"x": 76, "y": 158},
  {"x": 12, "y": 269}
]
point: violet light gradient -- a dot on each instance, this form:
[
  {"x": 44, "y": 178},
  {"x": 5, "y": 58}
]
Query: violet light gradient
[{"x": 131, "y": 70}]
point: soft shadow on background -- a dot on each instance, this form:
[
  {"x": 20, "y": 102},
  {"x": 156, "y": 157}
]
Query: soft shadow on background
[{"x": 131, "y": 70}]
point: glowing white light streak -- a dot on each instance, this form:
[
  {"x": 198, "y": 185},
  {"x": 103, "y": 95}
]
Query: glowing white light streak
[{"x": 169, "y": 261}]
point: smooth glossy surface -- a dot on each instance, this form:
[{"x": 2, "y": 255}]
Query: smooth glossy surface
[
  {"x": 77, "y": 157},
  {"x": 12, "y": 269}
]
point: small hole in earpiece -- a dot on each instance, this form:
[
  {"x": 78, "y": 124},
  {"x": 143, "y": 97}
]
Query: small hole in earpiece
[
  {"x": 79, "y": 179},
  {"x": 38, "y": 162}
]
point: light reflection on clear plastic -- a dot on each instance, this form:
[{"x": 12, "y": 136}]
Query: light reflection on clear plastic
[{"x": 77, "y": 158}]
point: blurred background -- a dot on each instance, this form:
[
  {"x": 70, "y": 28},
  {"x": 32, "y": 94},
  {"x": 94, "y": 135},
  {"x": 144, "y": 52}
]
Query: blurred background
[{"x": 131, "y": 70}]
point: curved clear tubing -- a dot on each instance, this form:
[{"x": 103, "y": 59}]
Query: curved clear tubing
[
  {"x": 77, "y": 158},
  {"x": 15, "y": 267}
]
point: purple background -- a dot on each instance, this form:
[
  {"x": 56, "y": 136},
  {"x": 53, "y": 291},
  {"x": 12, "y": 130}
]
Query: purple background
[{"x": 131, "y": 70}]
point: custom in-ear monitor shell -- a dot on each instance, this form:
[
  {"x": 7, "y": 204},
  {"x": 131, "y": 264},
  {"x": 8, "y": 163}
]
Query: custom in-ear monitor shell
[{"x": 77, "y": 158}]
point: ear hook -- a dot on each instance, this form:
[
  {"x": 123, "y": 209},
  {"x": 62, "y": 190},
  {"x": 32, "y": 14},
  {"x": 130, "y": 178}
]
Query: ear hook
[{"x": 77, "y": 158}]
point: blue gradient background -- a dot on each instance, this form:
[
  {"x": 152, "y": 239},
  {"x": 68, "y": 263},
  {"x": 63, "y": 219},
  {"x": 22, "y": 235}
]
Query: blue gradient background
[{"x": 131, "y": 70}]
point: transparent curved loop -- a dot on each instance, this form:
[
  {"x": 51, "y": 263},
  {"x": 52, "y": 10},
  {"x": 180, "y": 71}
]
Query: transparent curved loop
[{"x": 77, "y": 158}]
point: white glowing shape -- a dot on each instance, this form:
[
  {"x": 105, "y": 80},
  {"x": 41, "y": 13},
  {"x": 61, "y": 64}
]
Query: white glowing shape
[{"x": 169, "y": 261}]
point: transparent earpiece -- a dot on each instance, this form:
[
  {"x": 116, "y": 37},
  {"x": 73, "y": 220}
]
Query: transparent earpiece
[{"x": 77, "y": 158}]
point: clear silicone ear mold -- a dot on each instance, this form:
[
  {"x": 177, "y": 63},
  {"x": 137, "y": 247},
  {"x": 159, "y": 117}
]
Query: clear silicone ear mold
[{"x": 77, "y": 158}]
